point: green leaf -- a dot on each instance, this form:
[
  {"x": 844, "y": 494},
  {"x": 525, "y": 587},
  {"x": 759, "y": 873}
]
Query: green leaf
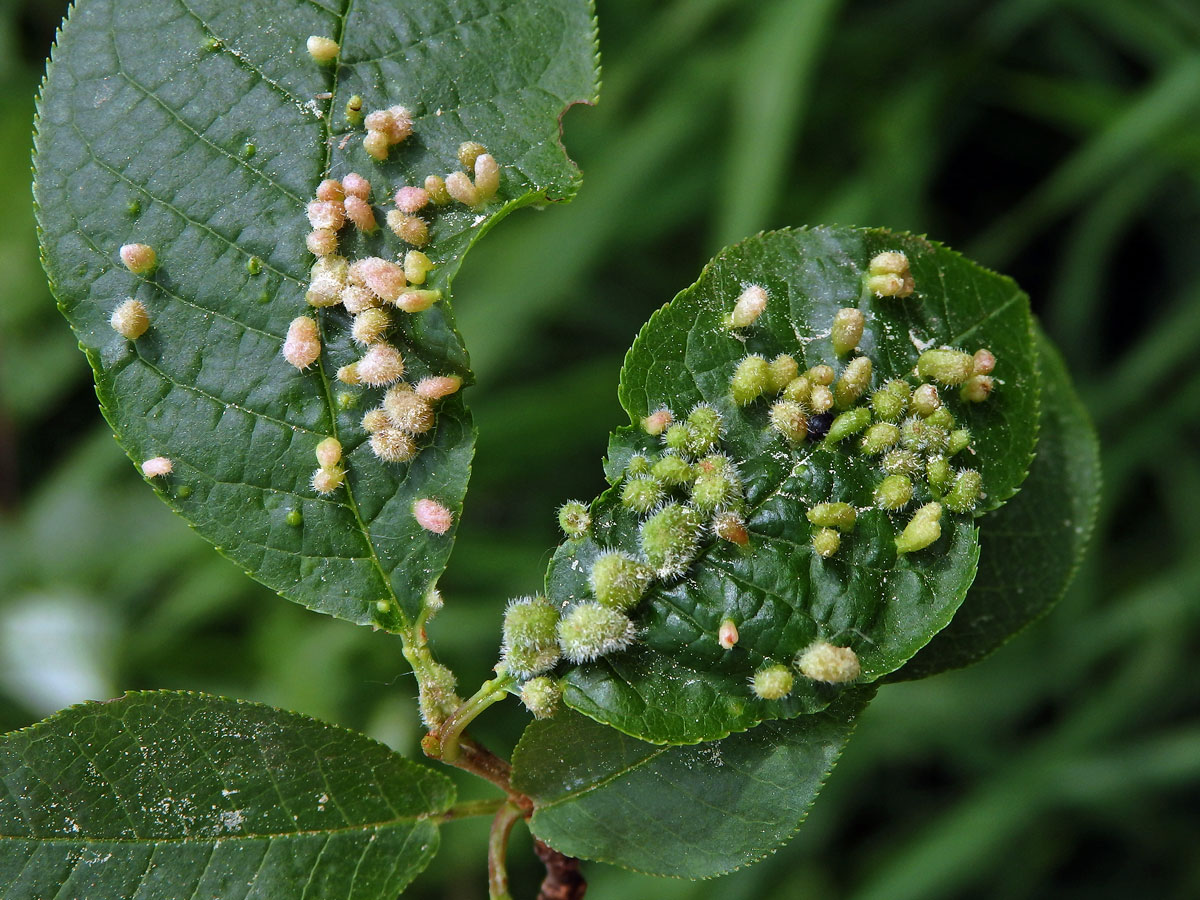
[
  {"x": 202, "y": 128},
  {"x": 676, "y": 684},
  {"x": 691, "y": 812},
  {"x": 164, "y": 795},
  {"x": 1032, "y": 547}
]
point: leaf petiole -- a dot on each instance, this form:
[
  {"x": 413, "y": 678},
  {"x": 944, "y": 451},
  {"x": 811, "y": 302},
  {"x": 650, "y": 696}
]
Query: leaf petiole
[
  {"x": 489, "y": 692},
  {"x": 502, "y": 827}
]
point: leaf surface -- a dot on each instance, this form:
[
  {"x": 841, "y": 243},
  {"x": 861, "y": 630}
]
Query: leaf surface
[
  {"x": 163, "y": 795},
  {"x": 676, "y": 684},
  {"x": 1032, "y": 547},
  {"x": 691, "y": 812},
  {"x": 202, "y": 128}
]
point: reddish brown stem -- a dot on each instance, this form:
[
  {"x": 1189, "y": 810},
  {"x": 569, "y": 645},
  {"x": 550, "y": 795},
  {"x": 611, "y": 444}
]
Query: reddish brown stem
[{"x": 563, "y": 879}]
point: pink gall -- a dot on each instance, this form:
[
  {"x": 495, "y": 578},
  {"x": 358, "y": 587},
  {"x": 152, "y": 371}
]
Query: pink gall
[
  {"x": 381, "y": 365},
  {"x": 302, "y": 346},
  {"x": 411, "y": 199},
  {"x": 354, "y": 185},
  {"x": 432, "y": 516},
  {"x": 360, "y": 213},
  {"x": 130, "y": 319},
  {"x": 140, "y": 259},
  {"x": 157, "y": 467}
]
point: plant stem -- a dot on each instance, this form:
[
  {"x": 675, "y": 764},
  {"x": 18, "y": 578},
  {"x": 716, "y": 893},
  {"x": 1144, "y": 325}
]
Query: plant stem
[
  {"x": 502, "y": 827},
  {"x": 451, "y": 730},
  {"x": 473, "y": 808}
]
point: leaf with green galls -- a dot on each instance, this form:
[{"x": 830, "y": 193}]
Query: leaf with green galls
[
  {"x": 168, "y": 795},
  {"x": 882, "y": 595},
  {"x": 202, "y": 130},
  {"x": 1032, "y": 547}
]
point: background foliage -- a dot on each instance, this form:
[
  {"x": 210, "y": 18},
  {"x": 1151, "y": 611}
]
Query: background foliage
[{"x": 1054, "y": 140}]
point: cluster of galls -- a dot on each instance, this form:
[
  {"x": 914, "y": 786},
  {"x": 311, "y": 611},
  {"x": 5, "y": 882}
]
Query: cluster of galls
[{"x": 908, "y": 428}]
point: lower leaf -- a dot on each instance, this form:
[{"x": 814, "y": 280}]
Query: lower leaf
[
  {"x": 687, "y": 811},
  {"x": 170, "y": 795}
]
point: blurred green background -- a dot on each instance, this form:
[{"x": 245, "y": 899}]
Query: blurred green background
[{"x": 1055, "y": 140}]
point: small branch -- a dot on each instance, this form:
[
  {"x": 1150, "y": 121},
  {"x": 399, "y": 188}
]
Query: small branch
[
  {"x": 563, "y": 879},
  {"x": 473, "y": 808},
  {"x": 450, "y": 731},
  {"x": 502, "y": 827}
]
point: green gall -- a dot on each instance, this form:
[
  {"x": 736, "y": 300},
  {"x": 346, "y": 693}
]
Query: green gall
[
  {"x": 713, "y": 490},
  {"x": 788, "y": 418},
  {"x": 354, "y": 109},
  {"x": 638, "y": 465},
  {"x": 436, "y": 698},
  {"x": 823, "y": 661},
  {"x": 848, "y": 423},
  {"x": 820, "y": 375},
  {"x": 642, "y": 493},
  {"x": 410, "y": 229},
  {"x": 960, "y": 440},
  {"x": 730, "y": 526},
  {"x": 130, "y": 319},
  {"x": 900, "y": 462},
  {"x": 133, "y": 208},
  {"x": 967, "y": 489},
  {"x": 750, "y": 380},
  {"x": 727, "y": 634},
  {"x": 937, "y": 474},
  {"x": 672, "y": 470},
  {"x": 254, "y": 265},
  {"x": 772, "y": 682},
  {"x": 880, "y": 437},
  {"x": 435, "y": 186},
  {"x": 920, "y": 436},
  {"x": 983, "y": 362},
  {"x": 799, "y": 389},
  {"x": 468, "y": 152},
  {"x": 675, "y": 438},
  {"x": 923, "y": 529},
  {"x": 370, "y": 326},
  {"x": 942, "y": 418},
  {"x": 529, "y": 645},
  {"x": 184, "y": 491},
  {"x": 416, "y": 266},
  {"x": 888, "y": 275},
  {"x": 541, "y": 696},
  {"x": 588, "y": 631},
  {"x": 574, "y": 519},
  {"x": 890, "y": 402},
  {"x": 294, "y": 518},
  {"x": 347, "y": 400},
  {"x": 855, "y": 380},
  {"x": 894, "y": 492},
  {"x": 703, "y": 429},
  {"x": 820, "y": 398},
  {"x": 322, "y": 49},
  {"x": 784, "y": 370},
  {"x": 619, "y": 581},
  {"x": 749, "y": 306},
  {"x": 248, "y": 150},
  {"x": 329, "y": 452},
  {"x": 328, "y": 479},
  {"x": 211, "y": 44},
  {"x": 925, "y": 400},
  {"x": 977, "y": 388},
  {"x": 948, "y": 367},
  {"x": 670, "y": 539},
  {"x": 826, "y": 542},
  {"x": 657, "y": 422},
  {"x": 847, "y": 330},
  {"x": 841, "y": 516}
]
